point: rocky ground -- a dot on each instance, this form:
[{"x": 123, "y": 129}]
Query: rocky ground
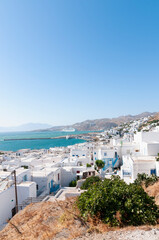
[
  {"x": 135, "y": 234},
  {"x": 153, "y": 191},
  {"x": 45, "y": 221}
]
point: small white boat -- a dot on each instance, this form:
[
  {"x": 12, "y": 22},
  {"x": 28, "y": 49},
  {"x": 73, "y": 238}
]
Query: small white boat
[{"x": 68, "y": 130}]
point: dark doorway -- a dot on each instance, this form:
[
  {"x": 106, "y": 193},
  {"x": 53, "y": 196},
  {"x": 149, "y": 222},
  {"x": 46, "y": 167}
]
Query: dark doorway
[{"x": 13, "y": 211}]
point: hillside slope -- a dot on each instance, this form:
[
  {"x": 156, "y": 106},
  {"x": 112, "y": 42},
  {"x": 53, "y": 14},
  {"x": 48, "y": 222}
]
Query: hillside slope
[
  {"x": 102, "y": 124},
  {"x": 60, "y": 220},
  {"x": 45, "y": 220}
]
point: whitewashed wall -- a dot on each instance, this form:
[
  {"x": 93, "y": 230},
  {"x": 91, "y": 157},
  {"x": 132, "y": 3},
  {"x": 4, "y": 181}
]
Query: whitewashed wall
[
  {"x": 7, "y": 203},
  {"x": 143, "y": 167},
  {"x": 26, "y": 191},
  {"x": 67, "y": 176}
]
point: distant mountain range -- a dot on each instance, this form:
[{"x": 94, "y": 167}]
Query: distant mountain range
[
  {"x": 25, "y": 127},
  {"x": 88, "y": 125},
  {"x": 101, "y": 124}
]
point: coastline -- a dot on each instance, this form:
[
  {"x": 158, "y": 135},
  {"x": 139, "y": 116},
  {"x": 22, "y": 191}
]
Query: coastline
[
  {"x": 74, "y": 136},
  {"x": 27, "y": 140}
]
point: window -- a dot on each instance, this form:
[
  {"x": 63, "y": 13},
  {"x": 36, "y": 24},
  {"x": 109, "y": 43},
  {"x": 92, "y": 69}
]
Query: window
[
  {"x": 153, "y": 171},
  {"x": 105, "y": 154},
  {"x": 58, "y": 176},
  {"x": 78, "y": 171},
  {"x": 94, "y": 153},
  {"x": 25, "y": 178},
  {"x": 126, "y": 173}
]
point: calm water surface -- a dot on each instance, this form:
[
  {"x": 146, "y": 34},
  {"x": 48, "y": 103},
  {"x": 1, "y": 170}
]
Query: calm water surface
[{"x": 36, "y": 144}]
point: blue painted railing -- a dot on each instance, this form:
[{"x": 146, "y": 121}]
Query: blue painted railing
[
  {"x": 115, "y": 161},
  {"x": 56, "y": 187},
  {"x": 109, "y": 162}
]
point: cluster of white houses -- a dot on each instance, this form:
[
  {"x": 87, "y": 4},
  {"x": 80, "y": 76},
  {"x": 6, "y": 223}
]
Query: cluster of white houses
[{"x": 40, "y": 173}]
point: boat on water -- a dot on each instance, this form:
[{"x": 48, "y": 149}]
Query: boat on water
[{"x": 68, "y": 130}]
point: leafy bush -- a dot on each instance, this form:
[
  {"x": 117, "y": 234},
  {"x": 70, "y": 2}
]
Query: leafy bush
[
  {"x": 117, "y": 203},
  {"x": 24, "y": 166},
  {"x": 73, "y": 183},
  {"x": 88, "y": 165},
  {"x": 90, "y": 181},
  {"x": 147, "y": 180}
]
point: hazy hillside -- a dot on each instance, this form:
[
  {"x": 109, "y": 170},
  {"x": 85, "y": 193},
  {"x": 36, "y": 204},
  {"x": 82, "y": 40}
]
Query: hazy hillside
[
  {"x": 25, "y": 127},
  {"x": 102, "y": 124}
]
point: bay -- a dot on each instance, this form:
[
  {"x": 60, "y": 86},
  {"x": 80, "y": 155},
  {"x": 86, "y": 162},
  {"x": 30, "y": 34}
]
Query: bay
[{"x": 15, "y": 145}]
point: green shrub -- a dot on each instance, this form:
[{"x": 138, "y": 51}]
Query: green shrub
[
  {"x": 157, "y": 158},
  {"x": 90, "y": 181},
  {"x": 114, "y": 197},
  {"x": 24, "y": 166},
  {"x": 88, "y": 165},
  {"x": 73, "y": 183},
  {"x": 147, "y": 180}
]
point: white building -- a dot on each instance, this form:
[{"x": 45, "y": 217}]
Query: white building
[
  {"x": 109, "y": 155},
  {"x": 143, "y": 159},
  {"x": 70, "y": 173},
  {"x": 25, "y": 190},
  {"x": 132, "y": 165},
  {"x": 48, "y": 180}
]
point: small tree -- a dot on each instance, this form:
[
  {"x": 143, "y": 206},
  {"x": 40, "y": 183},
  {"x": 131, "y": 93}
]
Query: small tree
[{"x": 100, "y": 164}]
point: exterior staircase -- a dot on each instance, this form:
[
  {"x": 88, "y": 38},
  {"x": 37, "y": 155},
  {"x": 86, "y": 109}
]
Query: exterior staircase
[{"x": 30, "y": 200}]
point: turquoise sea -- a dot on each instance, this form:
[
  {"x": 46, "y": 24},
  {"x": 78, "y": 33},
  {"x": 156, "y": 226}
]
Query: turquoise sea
[{"x": 15, "y": 145}]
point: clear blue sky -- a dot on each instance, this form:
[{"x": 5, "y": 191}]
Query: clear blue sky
[{"x": 64, "y": 61}]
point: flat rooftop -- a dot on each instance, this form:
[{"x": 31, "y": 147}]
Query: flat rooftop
[
  {"x": 27, "y": 183},
  {"x": 44, "y": 172},
  {"x": 143, "y": 158}
]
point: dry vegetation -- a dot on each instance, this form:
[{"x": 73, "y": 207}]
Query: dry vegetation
[
  {"x": 155, "y": 117},
  {"x": 153, "y": 191},
  {"x": 45, "y": 220},
  {"x": 51, "y": 220}
]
